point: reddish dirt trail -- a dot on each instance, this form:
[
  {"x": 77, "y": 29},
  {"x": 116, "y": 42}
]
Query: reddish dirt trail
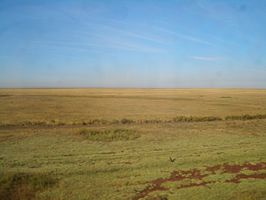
[{"x": 198, "y": 175}]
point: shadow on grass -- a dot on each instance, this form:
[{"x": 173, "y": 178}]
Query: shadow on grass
[{"x": 24, "y": 186}]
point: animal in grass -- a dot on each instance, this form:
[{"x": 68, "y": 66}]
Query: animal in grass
[{"x": 171, "y": 159}]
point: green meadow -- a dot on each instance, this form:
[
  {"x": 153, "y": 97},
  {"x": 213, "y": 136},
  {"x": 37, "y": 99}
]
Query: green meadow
[{"x": 153, "y": 144}]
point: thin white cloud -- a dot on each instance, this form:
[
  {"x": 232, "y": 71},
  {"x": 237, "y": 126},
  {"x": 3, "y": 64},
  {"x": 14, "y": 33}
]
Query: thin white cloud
[
  {"x": 207, "y": 58},
  {"x": 85, "y": 46},
  {"x": 186, "y": 37},
  {"x": 112, "y": 27},
  {"x": 194, "y": 39},
  {"x": 122, "y": 32}
]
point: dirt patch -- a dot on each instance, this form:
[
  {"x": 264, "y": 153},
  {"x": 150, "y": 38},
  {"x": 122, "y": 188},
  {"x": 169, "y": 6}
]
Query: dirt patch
[
  {"x": 227, "y": 168},
  {"x": 213, "y": 169},
  {"x": 175, "y": 176},
  {"x": 239, "y": 177},
  {"x": 233, "y": 169},
  {"x": 197, "y": 176}
]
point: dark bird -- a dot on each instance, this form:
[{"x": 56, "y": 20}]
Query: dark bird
[{"x": 171, "y": 159}]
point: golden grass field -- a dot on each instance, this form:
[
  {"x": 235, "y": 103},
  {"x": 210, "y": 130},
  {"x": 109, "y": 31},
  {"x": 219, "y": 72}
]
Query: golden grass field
[{"x": 187, "y": 144}]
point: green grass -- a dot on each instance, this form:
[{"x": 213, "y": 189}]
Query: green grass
[
  {"x": 126, "y": 144},
  {"x": 249, "y": 195}
]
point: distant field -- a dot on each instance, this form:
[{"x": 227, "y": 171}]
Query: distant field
[{"x": 157, "y": 144}]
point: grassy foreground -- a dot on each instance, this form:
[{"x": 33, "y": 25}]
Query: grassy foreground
[{"x": 145, "y": 144}]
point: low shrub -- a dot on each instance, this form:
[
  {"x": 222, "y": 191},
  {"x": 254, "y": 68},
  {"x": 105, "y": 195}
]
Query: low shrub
[
  {"x": 150, "y": 121},
  {"x": 245, "y": 117},
  {"x": 34, "y": 123},
  {"x": 195, "y": 119},
  {"x": 126, "y": 121}
]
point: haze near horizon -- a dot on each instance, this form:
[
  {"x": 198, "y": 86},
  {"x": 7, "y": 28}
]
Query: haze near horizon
[{"x": 149, "y": 43}]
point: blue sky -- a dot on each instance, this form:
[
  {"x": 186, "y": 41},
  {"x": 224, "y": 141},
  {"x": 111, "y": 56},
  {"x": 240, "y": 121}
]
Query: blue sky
[{"x": 133, "y": 43}]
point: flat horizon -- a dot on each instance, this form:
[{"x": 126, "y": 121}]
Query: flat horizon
[{"x": 230, "y": 88}]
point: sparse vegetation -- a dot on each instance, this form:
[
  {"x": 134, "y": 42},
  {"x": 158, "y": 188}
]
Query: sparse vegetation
[
  {"x": 245, "y": 117},
  {"x": 127, "y": 121},
  {"x": 109, "y": 135},
  {"x": 196, "y": 119},
  {"x": 130, "y": 121},
  {"x": 226, "y": 97}
]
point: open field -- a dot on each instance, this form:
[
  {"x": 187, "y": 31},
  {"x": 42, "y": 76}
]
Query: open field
[{"x": 187, "y": 144}]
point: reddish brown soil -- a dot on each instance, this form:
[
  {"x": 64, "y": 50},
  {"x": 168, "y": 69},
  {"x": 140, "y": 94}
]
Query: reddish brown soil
[
  {"x": 213, "y": 169},
  {"x": 197, "y": 175},
  {"x": 238, "y": 177},
  {"x": 249, "y": 166}
]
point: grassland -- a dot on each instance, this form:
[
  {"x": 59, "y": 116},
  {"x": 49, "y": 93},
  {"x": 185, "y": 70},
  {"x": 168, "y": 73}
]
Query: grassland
[{"x": 189, "y": 144}]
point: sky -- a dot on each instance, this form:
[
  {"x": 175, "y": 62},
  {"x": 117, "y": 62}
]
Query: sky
[{"x": 133, "y": 43}]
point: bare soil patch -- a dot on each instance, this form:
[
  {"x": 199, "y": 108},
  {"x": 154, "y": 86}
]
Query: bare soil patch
[{"x": 197, "y": 176}]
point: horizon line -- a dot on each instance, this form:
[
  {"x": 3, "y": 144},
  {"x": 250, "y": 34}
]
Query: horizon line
[{"x": 68, "y": 87}]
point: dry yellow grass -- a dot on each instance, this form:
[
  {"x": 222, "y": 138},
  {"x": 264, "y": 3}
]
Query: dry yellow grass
[{"x": 70, "y": 105}]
